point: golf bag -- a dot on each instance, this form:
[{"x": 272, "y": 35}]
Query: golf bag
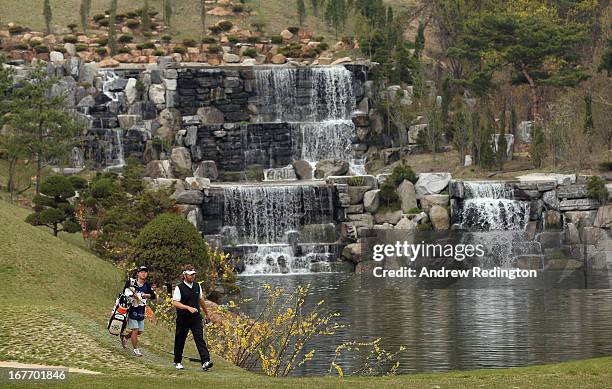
[{"x": 119, "y": 316}]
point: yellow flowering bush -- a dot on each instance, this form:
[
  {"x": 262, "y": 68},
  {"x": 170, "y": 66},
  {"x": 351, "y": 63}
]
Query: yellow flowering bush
[
  {"x": 373, "y": 359},
  {"x": 277, "y": 339}
]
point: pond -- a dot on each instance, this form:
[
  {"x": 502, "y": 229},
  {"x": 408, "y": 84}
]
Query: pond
[{"x": 453, "y": 329}]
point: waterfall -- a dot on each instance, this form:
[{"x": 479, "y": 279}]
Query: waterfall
[
  {"x": 489, "y": 206},
  {"x": 493, "y": 190},
  {"x": 108, "y": 78},
  {"x": 114, "y": 155},
  {"x": 330, "y": 139},
  {"x": 274, "y": 259},
  {"x": 305, "y": 94},
  {"x": 265, "y": 214},
  {"x": 266, "y": 221}
]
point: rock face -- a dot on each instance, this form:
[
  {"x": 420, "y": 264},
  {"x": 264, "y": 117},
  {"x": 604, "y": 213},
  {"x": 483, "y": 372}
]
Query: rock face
[
  {"x": 405, "y": 224},
  {"x": 278, "y": 59},
  {"x": 391, "y": 217},
  {"x": 604, "y": 217},
  {"x": 170, "y": 118},
  {"x": 286, "y": 34},
  {"x": 356, "y": 194},
  {"x": 194, "y": 197},
  {"x": 157, "y": 94},
  {"x": 429, "y": 201},
  {"x": 181, "y": 158},
  {"x": 352, "y": 252},
  {"x": 552, "y": 220},
  {"x": 371, "y": 200},
  {"x": 206, "y": 169},
  {"x": 303, "y": 169},
  {"x": 439, "y": 218},
  {"x": 331, "y": 167},
  {"x": 210, "y": 115},
  {"x": 159, "y": 169},
  {"x": 131, "y": 94},
  {"x": 196, "y": 183},
  {"x": 431, "y": 183},
  {"x": 231, "y": 58},
  {"x": 407, "y": 195}
]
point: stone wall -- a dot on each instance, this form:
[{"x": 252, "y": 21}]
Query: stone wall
[{"x": 235, "y": 147}]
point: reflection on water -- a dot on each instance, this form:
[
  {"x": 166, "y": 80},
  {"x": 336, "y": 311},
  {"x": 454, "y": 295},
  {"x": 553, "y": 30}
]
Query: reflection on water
[{"x": 447, "y": 329}]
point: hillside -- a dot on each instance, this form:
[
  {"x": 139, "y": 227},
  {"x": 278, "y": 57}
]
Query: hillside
[{"x": 62, "y": 322}]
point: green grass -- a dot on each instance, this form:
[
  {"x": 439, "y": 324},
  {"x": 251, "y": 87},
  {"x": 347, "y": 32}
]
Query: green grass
[{"x": 62, "y": 322}]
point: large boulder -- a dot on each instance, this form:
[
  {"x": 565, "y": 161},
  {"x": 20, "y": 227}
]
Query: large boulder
[
  {"x": 210, "y": 115},
  {"x": 331, "y": 167},
  {"x": 604, "y": 217},
  {"x": 303, "y": 169},
  {"x": 231, "y": 58},
  {"x": 194, "y": 197},
  {"x": 278, "y": 59},
  {"x": 286, "y": 34},
  {"x": 128, "y": 121},
  {"x": 159, "y": 169},
  {"x": 552, "y": 220},
  {"x": 391, "y": 217},
  {"x": 352, "y": 252},
  {"x": 371, "y": 200},
  {"x": 157, "y": 94},
  {"x": 131, "y": 94},
  {"x": 170, "y": 117},
  {"x": 196, "y": 183},
  {"x": 439, "y": 218},
  {"x": 151, "y": 152},
  {"x": 429, "y": 201},
  {"x": 356, "y": 193},
  {"x": 431, "y": 183},
  {"x": 407, "y": 195},
  {"x": 181, "y": 158},
  {"x": 406, "y": 224},
  {"x": 206, "y": 169}
]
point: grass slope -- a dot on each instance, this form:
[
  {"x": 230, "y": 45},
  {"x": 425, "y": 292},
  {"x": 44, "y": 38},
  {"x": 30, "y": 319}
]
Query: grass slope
[{"x": 56, "y": 298}]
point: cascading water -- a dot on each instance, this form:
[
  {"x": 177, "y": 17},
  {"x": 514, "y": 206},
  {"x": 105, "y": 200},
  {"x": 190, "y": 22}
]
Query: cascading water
[
  {"x": 115, "y": 156},
  {"x": 497, "y": 221},
  {"x": 267, "y": 216},
  {"x": 305, "y": 95},
  {"x": 319, "y": 102},
  {"x": 489, "y": 206},
  {"x": 326, "y": 140},
  {"x": 264, "y": 214},
  {"x": 108, "y": 79}
]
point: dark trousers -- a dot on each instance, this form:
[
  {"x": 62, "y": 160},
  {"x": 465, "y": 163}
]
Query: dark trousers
[{"x": 183, "y": 325}]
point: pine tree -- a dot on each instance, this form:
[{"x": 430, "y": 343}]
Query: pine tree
[
  {"x": 301, "y": 11},
  {"x": 588, "y": 116},
  {"x": 45, "y": 124},
  {"x": 112, "y": 28},
  {"x": 502, "y": 146},
  {"x": 336, "y": 13},
  {"x": 48, "y": 14},
  {"x": 315, "y": 6},
  {"x": 52, "y": 208},
  {"x": 538, "y": 145},
  {"x": 419, "y": 40},
  {"x": 146, "y": 19},
  {"x": 168, "y": 12}
]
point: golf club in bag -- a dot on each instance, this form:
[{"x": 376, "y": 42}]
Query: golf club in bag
[{"x": 119, "y": 316}]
